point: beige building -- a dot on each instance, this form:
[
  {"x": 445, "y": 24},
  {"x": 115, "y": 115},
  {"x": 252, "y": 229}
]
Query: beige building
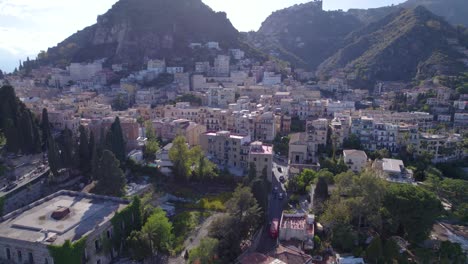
[
  {"x": 298, "y": 227},
  {"x": 26, "y": 234},
  {"x": 226, "y": 149},
  {"x": 355, "y": 159},
  {"x": 316, "y": 136},
  {"x": 262, "y": 156},
  {"x": 298, "y": 148},
  {"x": 265, "y": 127},
  {"x": 168, "y": 129}
]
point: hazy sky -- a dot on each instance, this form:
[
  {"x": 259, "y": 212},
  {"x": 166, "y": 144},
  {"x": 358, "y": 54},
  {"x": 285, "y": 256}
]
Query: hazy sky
[{"x": 28, "y": 26}]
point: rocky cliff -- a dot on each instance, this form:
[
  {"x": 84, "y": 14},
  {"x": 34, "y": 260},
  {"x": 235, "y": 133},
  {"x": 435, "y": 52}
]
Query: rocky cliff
[{"x": 133, "y": 30}]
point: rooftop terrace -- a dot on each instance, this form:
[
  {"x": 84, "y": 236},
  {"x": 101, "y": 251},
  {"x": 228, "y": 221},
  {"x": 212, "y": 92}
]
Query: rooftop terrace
[{"x": 62, "y": 216}]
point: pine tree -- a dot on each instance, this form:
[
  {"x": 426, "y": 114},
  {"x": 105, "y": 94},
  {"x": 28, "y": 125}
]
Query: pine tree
[{"x": 111, "y": 179}]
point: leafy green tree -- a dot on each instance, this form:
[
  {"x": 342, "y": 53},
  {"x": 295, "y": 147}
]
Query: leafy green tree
[
  {"x": 352, "y": 142},
  {"x": 150, "y": 149},
  {"x": 84, "y": 152},
  {"x": 281, "y": 145},
  {"x": 2, "y": 140},
  {"x": 120, "y": 103},
  {"x": 150, "y": 132},
  {"x": 205, "y": 168},
  {"x": 374, "y": 251},
  {"x": 412, "y": 211},
  {"x": 241, "y": 220},
  {"x": 451, "y": 253},
  {"x": 225, "y": 229},
  {"x": 111, "y": 180},
  {"x": 391, "y": 251},
  {"x": 206, "y": 252},
  {"x": 139, "y": 246},
  {"x": 115, "y": 141},
  {"x": 244, "y": 207},
  {"x": 158, "y": 230},
  {"x": 179, "y": 155}
]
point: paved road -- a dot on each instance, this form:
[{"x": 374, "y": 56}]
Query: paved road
[
  {"x": 275, "y": 207},
  {"x": 25, "y": 179}
]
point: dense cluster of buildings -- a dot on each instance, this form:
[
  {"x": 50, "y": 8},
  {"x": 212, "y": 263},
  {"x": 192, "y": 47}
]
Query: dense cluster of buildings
[{"x": 234, "y": 108}]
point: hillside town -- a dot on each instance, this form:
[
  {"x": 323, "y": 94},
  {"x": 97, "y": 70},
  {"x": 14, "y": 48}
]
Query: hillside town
[{"x": 230, "y": 157}]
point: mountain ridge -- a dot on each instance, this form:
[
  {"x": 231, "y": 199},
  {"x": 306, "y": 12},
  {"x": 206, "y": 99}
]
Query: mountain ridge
[
  {"x": 134, "y": 30},
  {"x": 396, "y": 48}
]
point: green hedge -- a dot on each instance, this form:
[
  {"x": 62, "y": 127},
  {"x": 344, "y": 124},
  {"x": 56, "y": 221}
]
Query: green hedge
[
  {"x": 69, "y": 253},
  {"x": 131, "y": 217}
]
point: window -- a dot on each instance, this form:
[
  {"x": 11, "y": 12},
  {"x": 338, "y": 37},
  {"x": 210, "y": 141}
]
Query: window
[
  {"x": 108, "y": 234},
  {"x": 46, "y": 261},
  {"x": 30, "y": 258},
  {"x": 266, "y": 159},
  {"x": 20, "y": 256},
  {"x": 98, "y": 261},
  {"x": 255, "y": 159},
  {"x": 8, "y": 254},
  {"x": 96, "y": 244}
]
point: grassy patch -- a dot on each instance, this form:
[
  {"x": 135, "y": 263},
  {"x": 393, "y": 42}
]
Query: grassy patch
[{"x": 211, "y": 203}]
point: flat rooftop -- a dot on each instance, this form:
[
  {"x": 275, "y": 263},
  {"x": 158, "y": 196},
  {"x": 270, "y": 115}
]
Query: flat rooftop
[
  {"x": 392, "y": 165},
  {"x": 34, "y": 223}
]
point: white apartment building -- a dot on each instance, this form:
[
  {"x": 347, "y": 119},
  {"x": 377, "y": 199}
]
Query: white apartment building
[
  {"x": 84, "y": 71},
  {"x": 442, "y": 147},
  {"x": 220, "y": 97},
  {"x": 270, "y": 78},
  {"x": 158, "y": 66},
  {"x": 174, "y": 70},
  {"x": 355, "y": 159},
  {"x": 221, "y": 65},
  {"x": 237, "y": 54}
]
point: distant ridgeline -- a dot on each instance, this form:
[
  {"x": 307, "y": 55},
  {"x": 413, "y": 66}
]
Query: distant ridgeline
[{"x": 399, "y": 45}]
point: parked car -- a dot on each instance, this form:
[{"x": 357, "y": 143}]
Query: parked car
[
  {"x": 281, "y": 196},
  {"x": 280, "y": 169},
  {"x": 282, "y": 179},
  {"x": 274, "y": 226},
  {"x": 11, "y": 186}
]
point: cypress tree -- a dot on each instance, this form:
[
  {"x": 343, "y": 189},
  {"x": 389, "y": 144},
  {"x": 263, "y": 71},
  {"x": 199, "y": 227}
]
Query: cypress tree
[
  {"x": 115, "y": 141},
  {"x": 83, "y": 150},
  {"x": 45, "y": 127},
  {"x": 321, "y": 189},
  {"x": 91, "y": 145},
  {"x": 53, "y": 156},
  {"x": 66, "y": 147},
  {"x": 18, "y": 124}
]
